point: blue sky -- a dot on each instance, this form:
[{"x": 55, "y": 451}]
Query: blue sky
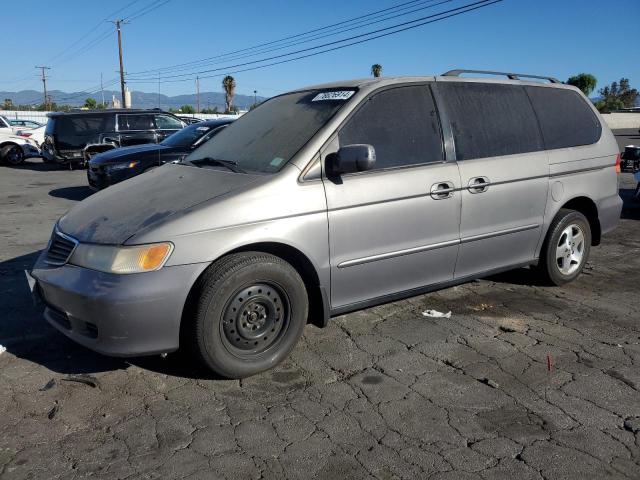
[{"x": 553, "y": 37}]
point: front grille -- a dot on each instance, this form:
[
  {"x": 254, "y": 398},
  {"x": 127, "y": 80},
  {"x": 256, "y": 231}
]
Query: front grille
[{"x": 60, "y": 248}]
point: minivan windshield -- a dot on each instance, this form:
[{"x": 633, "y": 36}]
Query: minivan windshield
[{"x": 266, "y": 139}]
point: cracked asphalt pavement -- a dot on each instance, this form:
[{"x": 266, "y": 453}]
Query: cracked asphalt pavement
[{"x": 523, "y": 381}]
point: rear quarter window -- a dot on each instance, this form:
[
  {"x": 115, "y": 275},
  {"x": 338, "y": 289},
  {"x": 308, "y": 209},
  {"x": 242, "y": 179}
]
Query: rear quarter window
[
  {"x": 566, "y": 120},
  {"x": 490, "y": 120}
]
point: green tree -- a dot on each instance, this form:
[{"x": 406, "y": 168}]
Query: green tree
[
  {"x": 376, "y": 70},
  {"x": 584, "y": 81},
  {"x": 229, "y": 87},
  {"x": 90, "y": 103},
  {"x": 187, "y": 109},
  {"x": 8, "y": 104},
  {"x": 617, "y": 95}
]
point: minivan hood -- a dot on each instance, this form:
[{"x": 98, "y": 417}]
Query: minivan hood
[{"x": 113, "y": 215}]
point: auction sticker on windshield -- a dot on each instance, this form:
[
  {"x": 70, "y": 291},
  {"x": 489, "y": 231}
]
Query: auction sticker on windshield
[{"x": 339, "y": 95}]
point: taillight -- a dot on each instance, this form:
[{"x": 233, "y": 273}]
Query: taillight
[
  {"x": 618, "y": 163},
  {"x": 25, "y": 134}
]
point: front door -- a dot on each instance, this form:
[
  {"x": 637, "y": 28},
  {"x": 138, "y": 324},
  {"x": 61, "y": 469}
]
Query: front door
[
  {"x": 504, "y": 173},
  {"x": 395, "y": 228}
]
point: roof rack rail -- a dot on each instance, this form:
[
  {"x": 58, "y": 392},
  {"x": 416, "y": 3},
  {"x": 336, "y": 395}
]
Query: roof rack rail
[{"x": 510, "y": 76}]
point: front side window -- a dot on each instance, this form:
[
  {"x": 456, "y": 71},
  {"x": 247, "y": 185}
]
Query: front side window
[
  {"x": 268, "y": 137},
  {"x": 402, "y": 126},
  {"x": 490, "y": 120},
  {"x": 166, "y": 122},
  {"x": 565, "y": 118}
]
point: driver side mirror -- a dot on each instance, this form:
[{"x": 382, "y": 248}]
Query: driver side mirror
[{"x": 351, "y": 159}]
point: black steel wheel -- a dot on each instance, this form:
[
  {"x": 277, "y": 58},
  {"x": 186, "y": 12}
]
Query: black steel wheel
[
  {"x": 255, "y": 318},
  {"x": 248, "y": 311}
]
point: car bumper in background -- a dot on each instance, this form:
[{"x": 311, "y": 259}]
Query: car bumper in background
[{"x": 118, "y": 315}]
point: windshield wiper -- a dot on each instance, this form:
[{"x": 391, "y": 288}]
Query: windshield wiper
[{"x": 230, "y": 164}]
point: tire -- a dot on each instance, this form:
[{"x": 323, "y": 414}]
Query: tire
[
  {"x": 12, "y": 154},
  {"x": 249, "y": 310},
  {"x": 566, "y": 249}
]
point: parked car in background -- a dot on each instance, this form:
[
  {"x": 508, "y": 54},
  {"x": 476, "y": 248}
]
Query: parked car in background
[
  {"x": 36, "y": 134},
  {"x": 14, "y": 149},
  {"x": 5, "y": 126},
  {"x": 20, "y": 124},
  {"x": 630, "y": 158},
  {"x": 116, "y": 165},
  {"x": 74, "y": 137},
  {"x": 314, "y": 205},
  {"x": 190, "y": 120}
]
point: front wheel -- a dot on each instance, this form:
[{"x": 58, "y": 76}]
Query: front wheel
[
  {"x": 12, "y": 154},
  {"x": 250, "y": 309},
  {"x": 566, "y": 248}
]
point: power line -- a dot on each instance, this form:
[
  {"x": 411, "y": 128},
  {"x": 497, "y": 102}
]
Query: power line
[
  {"x": 148, "y": 9},
  {"x": 330, "y": 33},
  {"x": 395, "y": 7},
  {"x": 375, "y": 34}
]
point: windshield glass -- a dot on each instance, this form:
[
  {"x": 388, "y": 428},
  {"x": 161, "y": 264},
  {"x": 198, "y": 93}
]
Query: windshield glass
[
  {"x": 266, "y": 138},
  {"x": 189, "y": 135}
]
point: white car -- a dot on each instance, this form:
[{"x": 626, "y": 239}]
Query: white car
[
  {"x": 5, "y": 126},
  {"x": 14, "y": 149},
  {"x": 36, "y": 134},
  {"x": 19, "y": 124}
]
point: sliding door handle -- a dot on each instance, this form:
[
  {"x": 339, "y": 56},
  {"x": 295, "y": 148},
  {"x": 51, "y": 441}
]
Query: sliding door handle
[{"x": 478, "y": 185}]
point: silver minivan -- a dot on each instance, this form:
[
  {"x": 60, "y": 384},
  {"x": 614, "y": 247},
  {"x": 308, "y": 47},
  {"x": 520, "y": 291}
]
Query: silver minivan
[{"x": 331, "y": 199}]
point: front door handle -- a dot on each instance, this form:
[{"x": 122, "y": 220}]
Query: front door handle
[
  {"x": 442, "y": 190},
  {"x": 478, "y": 185}
]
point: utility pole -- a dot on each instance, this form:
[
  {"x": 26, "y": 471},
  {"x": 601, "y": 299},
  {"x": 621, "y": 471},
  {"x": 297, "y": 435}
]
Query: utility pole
[
  {"x": 44, "y": 83},
  {"x": 101, "y": 89},
  {"x": 198, "y": 94},
  {"x": 255, "y": 97},
  {"x": 158, "y": 89},
  {"x": 118, "y": 24}
]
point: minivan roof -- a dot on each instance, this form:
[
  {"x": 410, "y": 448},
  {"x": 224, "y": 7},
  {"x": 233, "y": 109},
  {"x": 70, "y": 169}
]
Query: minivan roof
[{"x": 452, "y": 75}]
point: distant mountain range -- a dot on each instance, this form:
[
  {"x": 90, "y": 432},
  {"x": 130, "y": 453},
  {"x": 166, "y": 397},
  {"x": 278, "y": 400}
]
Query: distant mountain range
[{"x": 138, "y": 99}]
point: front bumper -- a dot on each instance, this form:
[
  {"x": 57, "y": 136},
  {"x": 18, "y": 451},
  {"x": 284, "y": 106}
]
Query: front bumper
[
  {"x": 117, "y": 315},
  {"x": 30, "y": 150},
  {"x": 99, "y": 177}
]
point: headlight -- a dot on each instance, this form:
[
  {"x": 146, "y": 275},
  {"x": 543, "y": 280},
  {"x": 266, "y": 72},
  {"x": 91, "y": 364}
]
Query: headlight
[
  {"x": 121, "y": 166},
  {"x": 106, "y": 258}
]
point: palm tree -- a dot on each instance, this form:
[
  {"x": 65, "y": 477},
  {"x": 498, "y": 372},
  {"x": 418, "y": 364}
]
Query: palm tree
[
  {"x": 376, "y": 69},
  {"x": 229, "y": 87}
]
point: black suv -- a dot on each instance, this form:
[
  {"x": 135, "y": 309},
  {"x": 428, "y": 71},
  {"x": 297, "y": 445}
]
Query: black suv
[{"x": 75, "y": 137}]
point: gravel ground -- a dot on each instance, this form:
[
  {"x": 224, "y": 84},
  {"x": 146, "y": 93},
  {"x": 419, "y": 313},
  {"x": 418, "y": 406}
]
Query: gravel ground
[{"x": 384, "y": 393}]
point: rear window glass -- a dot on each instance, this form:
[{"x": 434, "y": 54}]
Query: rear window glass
[
  {"x": 401, "y": 124},
  {"x": 79, "y": 125},
  {"x": 490, "y": 120},
  {"x": 565, "y": 118}
]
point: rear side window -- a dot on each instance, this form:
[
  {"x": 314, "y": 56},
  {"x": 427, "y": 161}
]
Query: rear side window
[
  {"x": 490, "y": 120},
  {"x": 401, "y": 124},
  {"x": 565, "y": 118},
  {"x": 135, "y": 122},
  {"x": 78, "y": 125}
]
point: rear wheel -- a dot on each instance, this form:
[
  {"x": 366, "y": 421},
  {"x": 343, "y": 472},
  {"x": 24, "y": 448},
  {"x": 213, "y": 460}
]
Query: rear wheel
[
  {"x": 566, "y": 248},
  {"x": 12, "y": 154},
  {"x": 249, "y": 312}
]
